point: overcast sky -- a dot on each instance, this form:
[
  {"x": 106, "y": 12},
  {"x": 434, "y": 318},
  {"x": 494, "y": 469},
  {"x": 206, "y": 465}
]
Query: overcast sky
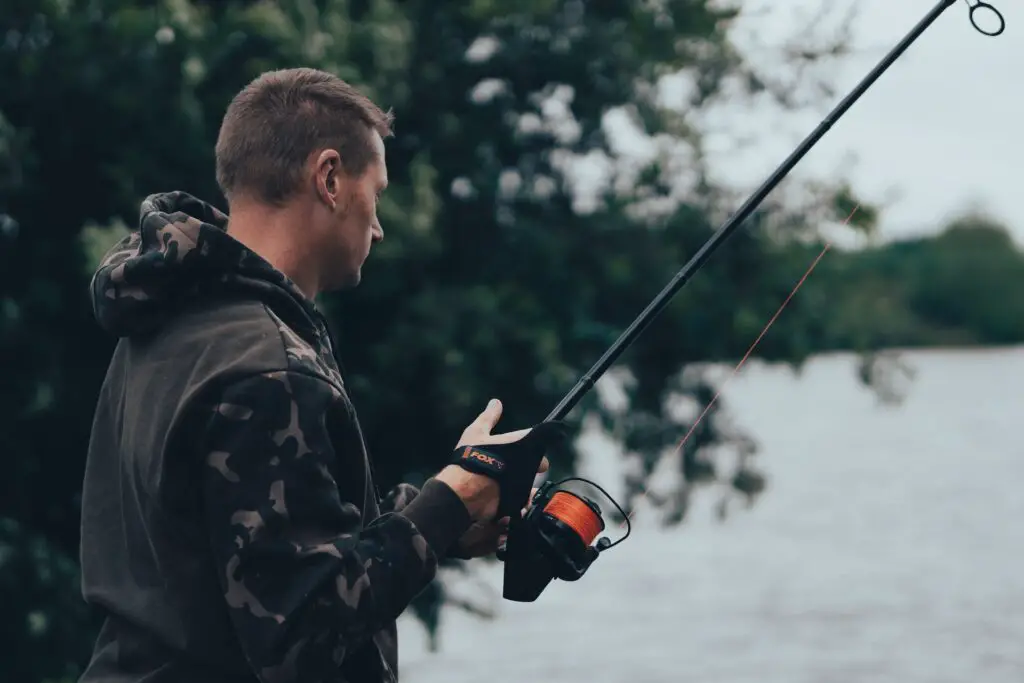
[{"x": 944, "y": 126}]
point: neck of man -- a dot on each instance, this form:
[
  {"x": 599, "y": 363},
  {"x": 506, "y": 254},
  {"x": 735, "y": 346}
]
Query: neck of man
[{"x": 271, "y": 232}]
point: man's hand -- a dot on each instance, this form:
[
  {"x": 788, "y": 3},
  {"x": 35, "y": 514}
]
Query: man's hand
[
  {"x": 484, "y": 538},
  {"x": 481, "y": 494},
  {"x": 479, "y": 432}
]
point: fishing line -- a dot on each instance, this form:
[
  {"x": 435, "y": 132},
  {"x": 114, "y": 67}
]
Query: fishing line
[{"x": 764, "y": 331}]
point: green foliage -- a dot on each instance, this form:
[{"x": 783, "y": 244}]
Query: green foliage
[
  {"x": 951, "y": 289},
  {"x": 46, "y": 629},
  {"x": 492, "y": 279}
]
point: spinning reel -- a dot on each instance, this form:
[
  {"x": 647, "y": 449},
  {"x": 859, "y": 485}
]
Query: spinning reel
[
  {"x": 553, "y": 540},
  {"x": 554, "y": 537}
]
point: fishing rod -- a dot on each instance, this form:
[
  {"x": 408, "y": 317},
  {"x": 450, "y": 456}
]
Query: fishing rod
[
  {"x": 552, "y": 538},
  {"x": 587, "y": 381}
]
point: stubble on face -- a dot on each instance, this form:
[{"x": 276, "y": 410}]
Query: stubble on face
[{"x": 357, "y": 225}]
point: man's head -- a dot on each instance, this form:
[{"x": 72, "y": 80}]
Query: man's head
[{"x": 307, "y": 143}]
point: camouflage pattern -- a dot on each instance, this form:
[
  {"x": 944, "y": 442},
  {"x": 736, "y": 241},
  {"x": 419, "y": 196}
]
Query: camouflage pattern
[
  {"x": 310, "y": 568},
  {"x": 180, "y": 252},
  {"x": 305, "y": 581}
]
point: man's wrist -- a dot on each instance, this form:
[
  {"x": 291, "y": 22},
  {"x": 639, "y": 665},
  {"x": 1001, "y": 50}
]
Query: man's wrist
[
  {"x": 439, "y": 514},
  {"x": 471, "y": 488},
  {"x": 456, "y": 477}
]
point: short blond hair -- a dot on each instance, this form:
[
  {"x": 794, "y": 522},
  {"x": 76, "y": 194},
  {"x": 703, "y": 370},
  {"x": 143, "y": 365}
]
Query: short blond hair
[{"x": 277, "y": 121}]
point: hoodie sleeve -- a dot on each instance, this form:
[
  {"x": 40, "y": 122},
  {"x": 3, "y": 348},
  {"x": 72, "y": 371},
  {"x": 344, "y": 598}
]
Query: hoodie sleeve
[{"x": 304, "y": 581}]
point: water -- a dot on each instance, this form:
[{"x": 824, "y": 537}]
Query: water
[{"x": 889, "y": 547}]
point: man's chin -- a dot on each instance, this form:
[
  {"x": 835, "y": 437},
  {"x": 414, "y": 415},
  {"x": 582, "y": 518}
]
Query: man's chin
[{"x": 350, "y": 282}]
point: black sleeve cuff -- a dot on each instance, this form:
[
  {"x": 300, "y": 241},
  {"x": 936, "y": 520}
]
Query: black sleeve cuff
[{"x": 439, "y": 514}]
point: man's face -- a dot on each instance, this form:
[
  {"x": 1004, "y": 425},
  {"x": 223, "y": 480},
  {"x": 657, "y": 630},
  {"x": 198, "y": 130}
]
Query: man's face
[{"x": 352, "y": 226}]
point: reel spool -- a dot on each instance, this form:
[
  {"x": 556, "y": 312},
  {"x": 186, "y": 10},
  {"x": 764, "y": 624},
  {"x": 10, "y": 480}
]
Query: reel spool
[{"x": 553, "y": 540}]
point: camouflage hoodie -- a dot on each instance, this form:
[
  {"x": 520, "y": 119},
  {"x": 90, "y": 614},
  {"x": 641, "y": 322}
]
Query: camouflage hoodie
[{"x": 230, "y": 525}]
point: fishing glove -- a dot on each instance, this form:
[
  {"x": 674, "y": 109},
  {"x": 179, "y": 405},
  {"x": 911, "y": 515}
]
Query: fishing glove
[{"x": 512, "y": 465}]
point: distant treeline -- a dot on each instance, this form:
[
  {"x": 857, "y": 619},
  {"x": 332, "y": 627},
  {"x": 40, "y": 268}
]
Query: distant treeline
[{"x": 960, "y": 287}]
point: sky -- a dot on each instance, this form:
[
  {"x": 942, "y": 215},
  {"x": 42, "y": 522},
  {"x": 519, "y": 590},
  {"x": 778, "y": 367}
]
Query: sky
[{"x": 940, "y": 132}]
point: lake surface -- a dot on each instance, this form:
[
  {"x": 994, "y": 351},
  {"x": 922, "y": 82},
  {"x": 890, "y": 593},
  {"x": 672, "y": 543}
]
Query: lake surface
[{"x": 889, "y": 546}]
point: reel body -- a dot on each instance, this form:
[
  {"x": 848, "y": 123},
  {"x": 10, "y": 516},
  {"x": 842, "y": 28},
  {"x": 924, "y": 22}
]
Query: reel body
[{"x": 552, "y": 540}]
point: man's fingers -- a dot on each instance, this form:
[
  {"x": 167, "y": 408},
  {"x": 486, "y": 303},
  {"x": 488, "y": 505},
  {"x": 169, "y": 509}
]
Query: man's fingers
[
  {"x": 479, "y": 430},
  {"x": 533, "y": 493},
  {"x": 489, "y": 417}
]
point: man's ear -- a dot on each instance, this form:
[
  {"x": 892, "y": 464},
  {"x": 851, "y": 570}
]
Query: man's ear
[{"x": 328, "y": 177}]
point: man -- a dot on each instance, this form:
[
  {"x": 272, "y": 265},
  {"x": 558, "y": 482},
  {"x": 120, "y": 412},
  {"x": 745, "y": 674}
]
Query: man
[{"x": 231, "y": 529}]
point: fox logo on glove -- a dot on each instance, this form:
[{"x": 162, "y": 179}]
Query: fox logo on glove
[{"x": 470, "y": 453}]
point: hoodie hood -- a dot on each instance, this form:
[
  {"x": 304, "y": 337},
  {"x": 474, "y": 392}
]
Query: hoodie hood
[{"x": 181, "y": 252}]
